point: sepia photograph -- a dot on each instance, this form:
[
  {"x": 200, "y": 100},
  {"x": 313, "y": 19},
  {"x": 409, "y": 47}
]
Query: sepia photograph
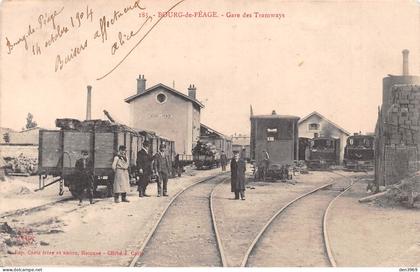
[{"x": 224, "y": 133}]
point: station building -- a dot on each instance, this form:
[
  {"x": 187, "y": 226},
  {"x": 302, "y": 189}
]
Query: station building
[
  {"x": 168, "y": 112},
  {"x": 316, "y": 125}
]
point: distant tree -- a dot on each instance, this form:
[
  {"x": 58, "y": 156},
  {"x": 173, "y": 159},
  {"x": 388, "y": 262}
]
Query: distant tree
[
  {"x": 30, "y": 123},
  {"x": 6, "y": 137}
]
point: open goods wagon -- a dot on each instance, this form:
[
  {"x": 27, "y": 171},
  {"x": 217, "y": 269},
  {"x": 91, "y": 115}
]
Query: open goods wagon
[{"x": 60, "y": 149}]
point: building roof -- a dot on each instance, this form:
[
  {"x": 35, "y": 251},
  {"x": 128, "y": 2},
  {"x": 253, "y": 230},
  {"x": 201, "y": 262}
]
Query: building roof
[
  {"x": 274, "y": 116},
  {"x": 212, "y": 131},
  {"x": 160, "y": 85},
  {"x": 241, "y": 140},
  {"x": 324, "y": 118}
]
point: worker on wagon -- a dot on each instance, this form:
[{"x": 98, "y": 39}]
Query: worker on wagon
[
  {"x": 84, "y": 167},
  {"x": 162, "y": 168},
  {"x": 234, "y": 174},
  {"x": 265, "y": 163},
  {"x": 144, "y": 166},
  {"x": 240, "y": 180},
  {"x": 121, "y": 177},
  {"x": 223, "y": 160}
]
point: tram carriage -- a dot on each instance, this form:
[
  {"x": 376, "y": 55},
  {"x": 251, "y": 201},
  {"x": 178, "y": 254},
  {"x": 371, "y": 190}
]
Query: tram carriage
[
  {"x": 278, "y": 136},
  {"x": 60, "y": 149}
]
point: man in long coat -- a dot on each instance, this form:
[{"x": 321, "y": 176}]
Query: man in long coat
[
  {"x": 240, "y": 180},
  {"x": 121, "y": 179},
  {"x": 163, "y": 170},
  {"x": 234, "y": 175},
  {"x": 144, "y": 166}
]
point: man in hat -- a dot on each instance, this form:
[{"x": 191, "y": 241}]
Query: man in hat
[
  {"x": 144, "y": 166},
  {"x": 162, "y": 168},
  {"x": 121, "y": 178},
  {"x": 84, "y": 167},
  {"x": 223, "y": 161},
  {"x": 234, "y": 174}
]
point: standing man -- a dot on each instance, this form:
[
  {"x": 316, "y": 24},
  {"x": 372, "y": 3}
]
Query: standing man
[
  {"x": 162, "y": 168},
  {"x": 121, "y": 179},
  {"x": 223, "y": 161},
  {"x": 234, "y": 174},
  {"x": 240, "y": 180},
  {"x": 144, "y": 166},
  {"x": 84, "y": 167}
]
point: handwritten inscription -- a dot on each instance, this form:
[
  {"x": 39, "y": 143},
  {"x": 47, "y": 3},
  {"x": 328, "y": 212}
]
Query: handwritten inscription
[
  {"x": 161, "y": 115},
  {"x": 54, "y": 25}
]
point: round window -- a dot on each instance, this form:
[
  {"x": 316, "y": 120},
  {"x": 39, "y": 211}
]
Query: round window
[{"x": 161, "y": 98}]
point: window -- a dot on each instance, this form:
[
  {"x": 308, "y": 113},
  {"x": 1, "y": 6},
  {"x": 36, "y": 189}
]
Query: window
[
  {"x": 313, "y": 126},
  {"x": 272, "y": 134},
  {"x": 161, "y": 98}
]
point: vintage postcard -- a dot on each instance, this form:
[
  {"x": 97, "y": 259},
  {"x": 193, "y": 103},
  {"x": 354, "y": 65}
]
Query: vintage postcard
[{"x": 180, "y": 133}]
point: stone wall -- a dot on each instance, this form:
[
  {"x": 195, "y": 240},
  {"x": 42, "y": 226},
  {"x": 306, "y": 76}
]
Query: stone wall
[{"x": 398, "y": 136}]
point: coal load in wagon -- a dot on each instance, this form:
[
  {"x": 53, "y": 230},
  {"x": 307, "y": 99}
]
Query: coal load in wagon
[
  {"x": 207, "y": 149},
  {"x": 97, "y": 125}
]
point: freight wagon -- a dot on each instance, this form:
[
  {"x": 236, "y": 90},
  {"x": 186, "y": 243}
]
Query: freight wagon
[{"x": 60, "y": 149}]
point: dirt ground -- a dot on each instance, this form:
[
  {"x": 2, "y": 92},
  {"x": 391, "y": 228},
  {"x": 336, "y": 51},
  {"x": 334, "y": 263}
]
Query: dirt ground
[
  {"x": 102, "y": 234},
  {"x": 19, "y": 192},
  {"x": 367, "y": 234},
  {"x": 108, "y": 234},
  {"x": 240, "y": 221}
]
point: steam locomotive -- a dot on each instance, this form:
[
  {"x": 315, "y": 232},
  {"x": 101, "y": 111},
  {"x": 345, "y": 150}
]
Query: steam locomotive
[
  {"x": 323, "y": 153},
  {"x": 359, "y": 152}
]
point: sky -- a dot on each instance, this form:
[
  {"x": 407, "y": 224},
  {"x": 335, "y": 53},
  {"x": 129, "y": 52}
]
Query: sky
[{"x": 325, "y": 56}]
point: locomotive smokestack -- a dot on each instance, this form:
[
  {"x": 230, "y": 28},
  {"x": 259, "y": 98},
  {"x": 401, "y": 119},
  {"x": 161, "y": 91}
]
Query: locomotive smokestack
[
  {"x": 141, "y": 84},
  {"x": 405, "y": 62},
  {"x": 88, "y": 102}
]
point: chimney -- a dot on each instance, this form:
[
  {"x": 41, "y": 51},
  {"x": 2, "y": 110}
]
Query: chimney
[
  {"x": 192, "y": 91},
  {"x": 405, "y": 62},
  {"x": 141, "y": 84},
  {"x": 88, "y": 102}
]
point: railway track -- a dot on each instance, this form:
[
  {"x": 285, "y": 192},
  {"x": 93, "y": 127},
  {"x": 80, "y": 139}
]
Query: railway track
[
  {"x": 291, "y": 231},
  {"x": 169, "y": 244},
  {"x": 34, "y": 209}
]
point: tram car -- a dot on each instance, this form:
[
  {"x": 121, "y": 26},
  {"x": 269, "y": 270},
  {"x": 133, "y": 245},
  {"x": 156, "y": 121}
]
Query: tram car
[
  {"x": 276, "y": 137},
  {"x": 323, "y": 153},
  {"x": 359, "y": 153},
  {"x": 60, "y": 149}
]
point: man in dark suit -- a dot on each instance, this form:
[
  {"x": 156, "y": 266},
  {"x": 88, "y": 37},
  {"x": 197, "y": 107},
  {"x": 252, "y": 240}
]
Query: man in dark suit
[
  {"x": 162, "y": 168},
  {"x": 84, "y": 167},
  {"x": 223, "y": 161},
  {"x": 234, "y": 174},
  {"x": 144, "y": 166}
]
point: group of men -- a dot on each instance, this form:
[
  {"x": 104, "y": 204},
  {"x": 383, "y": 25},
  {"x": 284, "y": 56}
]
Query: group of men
[{"x": 147, "y": 165}]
